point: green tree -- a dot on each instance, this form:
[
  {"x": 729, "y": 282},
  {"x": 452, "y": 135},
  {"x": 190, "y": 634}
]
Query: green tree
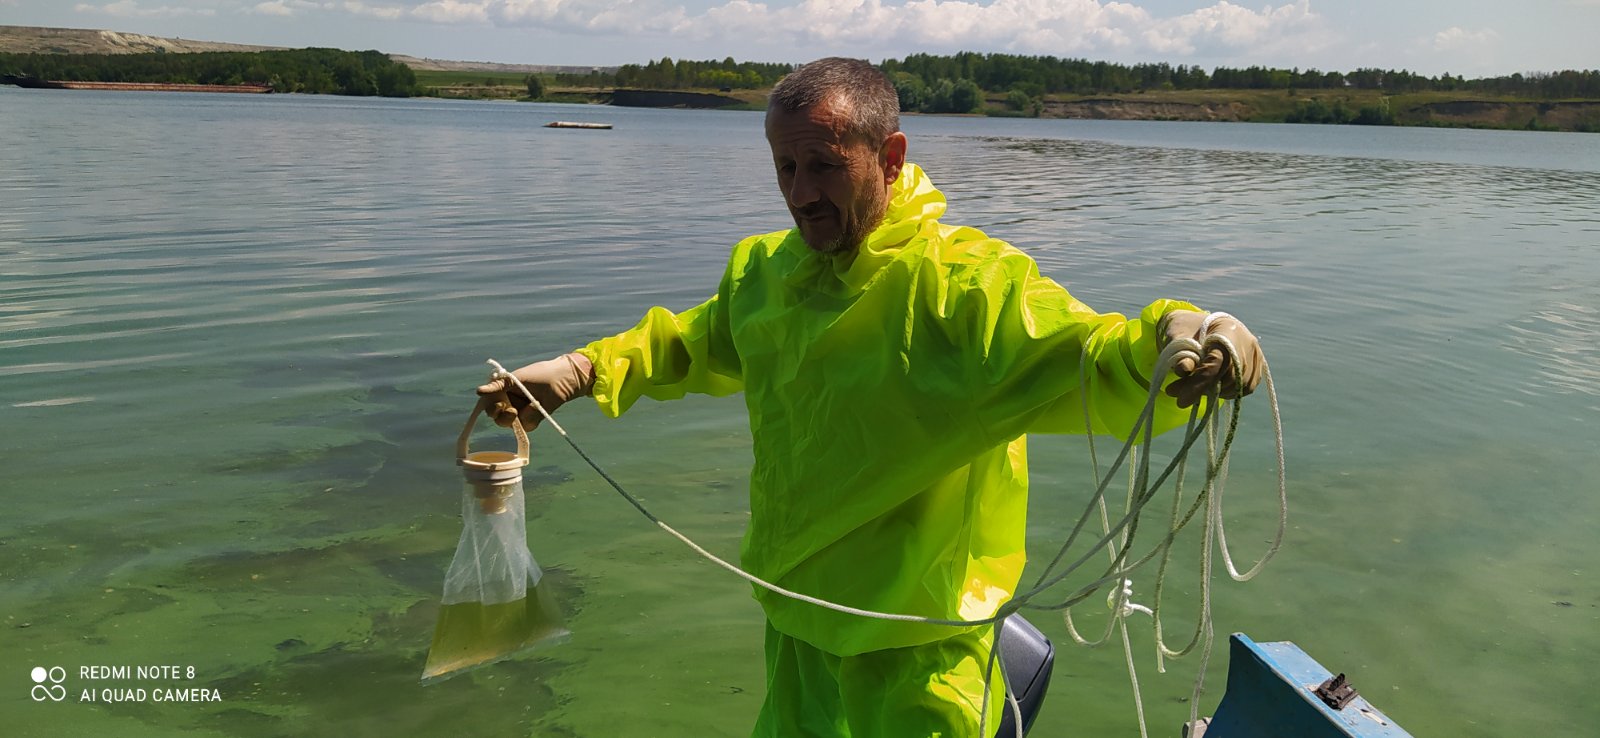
[
  {"x": 1031, "y": 89},
  {"x": 966, "y": 97},
  {"x": 299, "y": 70},
  {"x": 939, "y": 95},
  {"x": 535, "y": 86},
  {"x": 396, "y": 80},
  {"x": 1375, "y": 115},
  {"x": 913, "y": 93},
  {"x": 351, "y": 79}
]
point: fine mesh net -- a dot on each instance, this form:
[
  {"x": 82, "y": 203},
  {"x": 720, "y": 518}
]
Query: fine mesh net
[{"x": 493, "y": 607}]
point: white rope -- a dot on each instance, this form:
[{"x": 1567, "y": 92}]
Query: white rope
[
  {"x": 1140, "y": 491},
  {"x": 1119, "y": 601}
]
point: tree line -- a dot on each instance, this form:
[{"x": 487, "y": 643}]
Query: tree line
[
  {"x": 666, "y": 74},
  {"x": 1049, "y": 74},
  {"x": 958, "y": 83},
  {"x": 1040, "y": 75},
  {"x": 327, "y": 71},
  {"x": 954, "y": 83}
]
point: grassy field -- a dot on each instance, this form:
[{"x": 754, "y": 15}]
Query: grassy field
[
  {"x": 474, "y": 84},
  {"x": 437, "y": 78}
]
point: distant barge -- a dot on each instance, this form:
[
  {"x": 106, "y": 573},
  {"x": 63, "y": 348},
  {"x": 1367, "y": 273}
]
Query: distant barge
[{"x": 50, "y": 84}]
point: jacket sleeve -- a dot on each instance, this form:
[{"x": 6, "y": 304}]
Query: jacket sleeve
[
  {"x": 667, "y": 356},
  {"x": 1039, "y": 350}
]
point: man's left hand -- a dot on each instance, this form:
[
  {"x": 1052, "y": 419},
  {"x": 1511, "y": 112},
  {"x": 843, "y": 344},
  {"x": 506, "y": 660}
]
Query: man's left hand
[{"x": 1215, "y": 367}]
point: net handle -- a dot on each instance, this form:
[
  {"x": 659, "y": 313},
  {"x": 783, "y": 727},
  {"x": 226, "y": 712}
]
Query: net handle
[{"x": 472, "y": 420}]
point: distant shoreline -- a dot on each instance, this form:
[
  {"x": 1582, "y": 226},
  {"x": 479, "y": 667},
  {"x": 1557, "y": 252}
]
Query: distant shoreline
[
  {"x": 1430, "y": 109},
  {"x": 1435, "y": 110},
  {"x": 1347, "y": 105},
  {"x": 38, "y": 84},
  {"x": 400, "y": 76}
]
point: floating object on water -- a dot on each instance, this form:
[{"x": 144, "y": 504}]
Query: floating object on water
[
  {"x": 493, "y": 605},
  {"x": 575, "y": 124}
]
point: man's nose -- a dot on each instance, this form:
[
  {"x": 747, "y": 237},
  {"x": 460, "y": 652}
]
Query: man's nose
[{"x": 803, "y": 191}]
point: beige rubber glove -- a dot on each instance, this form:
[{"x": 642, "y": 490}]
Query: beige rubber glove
[
  {"x": 553, "y": 382},
  {"x": 1213, "y": 369}
]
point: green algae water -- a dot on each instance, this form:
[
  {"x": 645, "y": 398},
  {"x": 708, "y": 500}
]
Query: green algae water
[
  {"x": 471, "y": 634},
  {"x": 237, "y": 338}
]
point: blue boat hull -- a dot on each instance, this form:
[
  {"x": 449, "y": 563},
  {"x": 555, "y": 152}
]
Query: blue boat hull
[{"x": 1272, "y": 692}]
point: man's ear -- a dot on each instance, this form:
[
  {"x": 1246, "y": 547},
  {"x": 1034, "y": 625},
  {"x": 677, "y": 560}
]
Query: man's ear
[{"x": 892, "y": 156}]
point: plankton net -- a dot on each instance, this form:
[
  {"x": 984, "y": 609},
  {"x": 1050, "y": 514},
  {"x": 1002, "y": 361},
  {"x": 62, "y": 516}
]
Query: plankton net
[{"x": 493, "y": 607}]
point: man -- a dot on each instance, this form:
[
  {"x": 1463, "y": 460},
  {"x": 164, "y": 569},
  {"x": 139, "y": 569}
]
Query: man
[{"x": 890, "y": 364}]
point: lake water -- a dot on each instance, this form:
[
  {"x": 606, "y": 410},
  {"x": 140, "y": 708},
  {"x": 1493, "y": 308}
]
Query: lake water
[{"x": 238, "y": 337}]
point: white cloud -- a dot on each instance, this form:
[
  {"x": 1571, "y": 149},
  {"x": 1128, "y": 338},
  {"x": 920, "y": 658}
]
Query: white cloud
[
  {"x": 1226, "y": 26},
  {"x": 287, "y": 8},
  {"x": 433, "y": 11},
  {"x": 1455, "y": 37},
  {"x": 132, "y": 9},
  {"x": 386, "y": 12},
  {"x": 1060, "y": 27},
  {"x": 452, "y": 11},
  {"x": 589, "y": 16},
  {"x": 277, "y": 7}
]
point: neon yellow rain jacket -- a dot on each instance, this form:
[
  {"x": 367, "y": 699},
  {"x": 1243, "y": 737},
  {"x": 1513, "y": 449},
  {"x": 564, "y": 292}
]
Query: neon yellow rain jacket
[{"x": 889, "y": 390}]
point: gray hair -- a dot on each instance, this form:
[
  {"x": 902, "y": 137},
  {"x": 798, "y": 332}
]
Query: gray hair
[{"x": 873, "y": 104}]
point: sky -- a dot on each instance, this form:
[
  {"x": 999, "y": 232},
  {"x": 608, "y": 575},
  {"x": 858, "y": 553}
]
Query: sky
[{"x": 1463, "y": 37}]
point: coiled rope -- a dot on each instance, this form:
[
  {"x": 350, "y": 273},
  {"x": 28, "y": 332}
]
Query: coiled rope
[{"x": 1116, "y": 539}]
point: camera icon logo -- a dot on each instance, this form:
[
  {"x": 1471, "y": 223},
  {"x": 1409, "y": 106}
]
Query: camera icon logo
[{"x": 53, "y": 691}]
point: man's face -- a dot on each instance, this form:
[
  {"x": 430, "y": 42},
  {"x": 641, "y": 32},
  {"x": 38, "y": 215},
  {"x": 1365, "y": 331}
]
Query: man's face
[{"x": 836, "y": 187}]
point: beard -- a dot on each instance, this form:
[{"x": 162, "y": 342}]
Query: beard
[{"x": 854, "y": 229}]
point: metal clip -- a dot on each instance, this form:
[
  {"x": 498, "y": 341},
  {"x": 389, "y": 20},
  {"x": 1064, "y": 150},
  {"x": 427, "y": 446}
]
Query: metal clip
[{"x": 1335, "y": 692}]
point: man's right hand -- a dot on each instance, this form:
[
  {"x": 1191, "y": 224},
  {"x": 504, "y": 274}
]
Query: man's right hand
[{"x": 552, "y": 382}]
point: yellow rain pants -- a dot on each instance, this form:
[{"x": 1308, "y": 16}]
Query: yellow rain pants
[
  {"x": 888, "y": 391},
  {"x": 927, "y": 690}
]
